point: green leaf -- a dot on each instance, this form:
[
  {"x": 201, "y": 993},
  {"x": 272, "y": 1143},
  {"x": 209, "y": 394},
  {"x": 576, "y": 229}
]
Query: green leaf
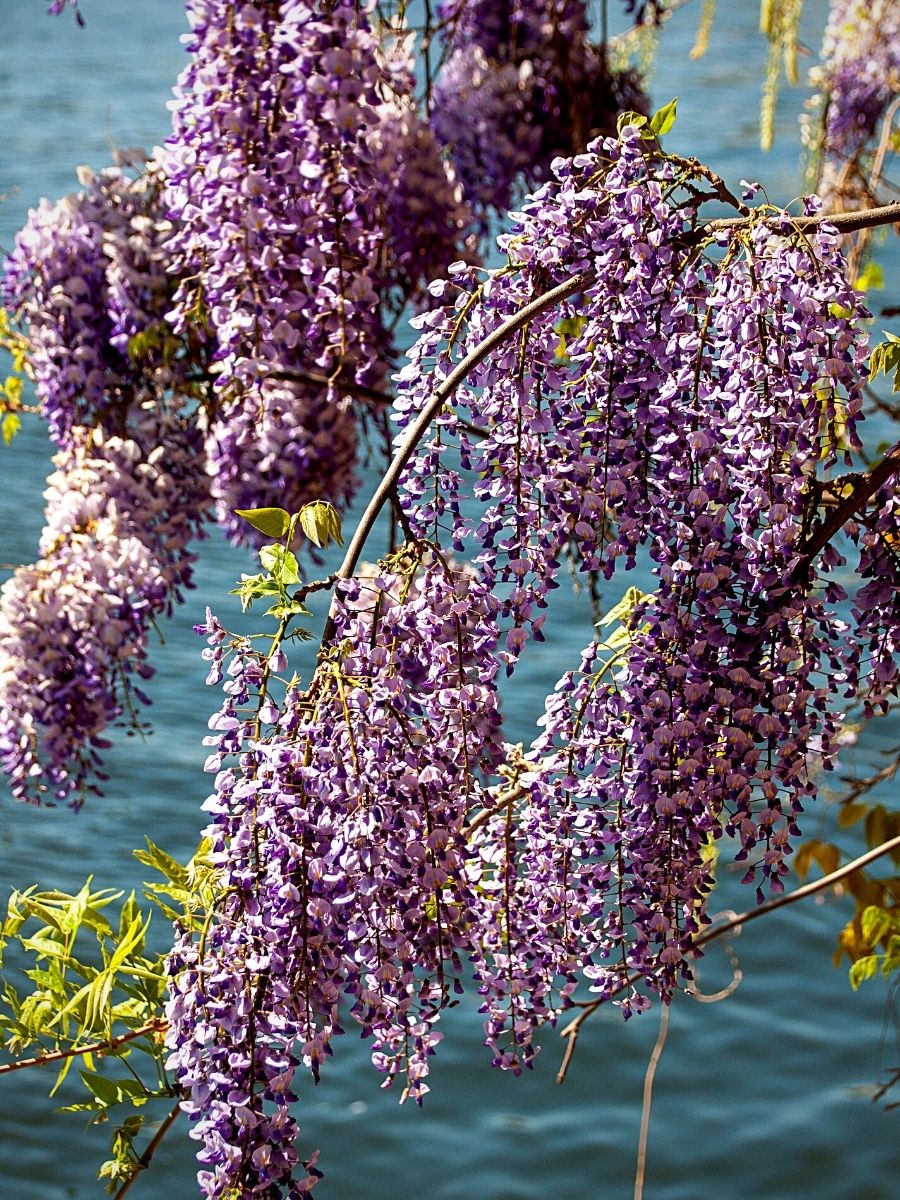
[
  {"x": 298, "y": 633},
  {"x": 13, "y": 389},
  {"x": 253, "y": 587},
  {"x": 664, "y": 118},
  {"x": 885, "y": 358},
  {"x": 626, "y": 606},
  {"x": 321, "y": 523},
  {"x": 862, "y": 969},
  {"x": 294, "y": 609},
  {"x": 630, "y": 118},
  {"x": 273, "y": 522},
  {"x": 106, "y": 1091},
  {"x": 281, "y": 564},
  {"x": 159, "y": 860}
]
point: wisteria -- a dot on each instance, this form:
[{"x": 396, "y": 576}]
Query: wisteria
[
  {"x": 89, "y": 278},
  {"x": 854, "y": 85},
  {"x": 699, "y": 445},
  {"x": 521, "y": 84},
  {"x": 348, "y": 884},
  {"x": 75, "y": 626},
  {"x": 635, "y": 391},
  {"x": 287, "y": 442},
  {"x": 877, "y": 603},
  {"x": 857, "y": 78},
  {"x": 708, "y": 714}
]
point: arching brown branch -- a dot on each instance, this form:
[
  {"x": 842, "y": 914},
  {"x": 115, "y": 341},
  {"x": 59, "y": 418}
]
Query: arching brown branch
[
  {"x": 439, "y": 398},
  {"x": 845, "y": 222},
  {"x": 887, "y": 214},
  {"x": 147, "y": 1157},
  {"x": 865, "y": 488}
]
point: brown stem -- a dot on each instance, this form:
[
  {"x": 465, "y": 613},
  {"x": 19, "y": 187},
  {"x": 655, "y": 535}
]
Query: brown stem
[
  {"x": 887, "y": 214},
  {"x": 157, "y": 1025},
  {"x": 152, "y": 1146},
  {"x": 866, "y": 487}
]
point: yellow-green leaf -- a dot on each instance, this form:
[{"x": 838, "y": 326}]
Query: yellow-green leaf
[
  {"x": 273, "y": 522},
  {"x": 321, "y": 523}
]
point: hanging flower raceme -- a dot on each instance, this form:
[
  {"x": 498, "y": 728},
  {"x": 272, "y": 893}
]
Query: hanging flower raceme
[
  {"x": 284, "y": 440},
  {"x": 426, "y": 220},
  {"x": 271, "y": 178},
  {"x": 857, "y": 80},
  {"x": 678, "y": 409},
  {"x": 522, "y": 83},
  {"x": 75, "y": 625},
  {"x": 89, "y": 282},
  {"x": 877, "y": 603},
  {"x": 339, "y": 826}
]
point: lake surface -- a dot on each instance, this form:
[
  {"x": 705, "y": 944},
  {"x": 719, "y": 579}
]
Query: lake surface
[{"x": 765, "y": 1094}]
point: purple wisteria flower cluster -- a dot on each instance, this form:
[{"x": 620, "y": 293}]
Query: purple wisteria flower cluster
[
  {"x": 89, "y": 279},
  {"x": 679, "y": 407},
  {"x": 857, "y": 80},
  {"x": 339, "y": 825},
  {"x": 311, "y": 202},
  {"x": 211, "y": 332},
  {"x": 522, "y": 83},
  {"x": 251, "y": 271},
  {"x": 269, "y": 175},
  {"x": 685, "y": 406},
  {"x": 75, "y": 626}
]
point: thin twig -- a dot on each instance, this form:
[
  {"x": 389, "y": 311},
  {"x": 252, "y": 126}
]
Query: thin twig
[
  {"x": 801, "y": 893},
  {"x": 648, "y": 1102},
  {"x": 572, "y": 1030},
  {"x": 147, "y": 1157},
  {"x": 866, "y": 487},
  {"x": 157, "y": 1025}
]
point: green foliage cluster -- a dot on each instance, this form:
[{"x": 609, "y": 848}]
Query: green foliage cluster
[{"x": 81, "y": 986}]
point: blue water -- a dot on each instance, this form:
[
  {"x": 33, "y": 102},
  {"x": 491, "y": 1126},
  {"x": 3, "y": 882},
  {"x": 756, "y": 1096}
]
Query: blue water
[{"x": 765, "y": 1094}]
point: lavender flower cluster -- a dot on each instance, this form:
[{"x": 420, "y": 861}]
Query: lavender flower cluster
[
  {"x": 857, "y": 79},
  {"x": 262, "y": 254},
  {"x": 521, "y": 84},
  {"x": 86, "y": 276},
  {"x": 311, "y": 202},
  {"x": 681, "y": 408},
  {"x": 339, "y": 825},
  {"x": 685, "y": 418},
  {"x": 376, "y": 840},
  {"x": 75, "y": 625}
]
